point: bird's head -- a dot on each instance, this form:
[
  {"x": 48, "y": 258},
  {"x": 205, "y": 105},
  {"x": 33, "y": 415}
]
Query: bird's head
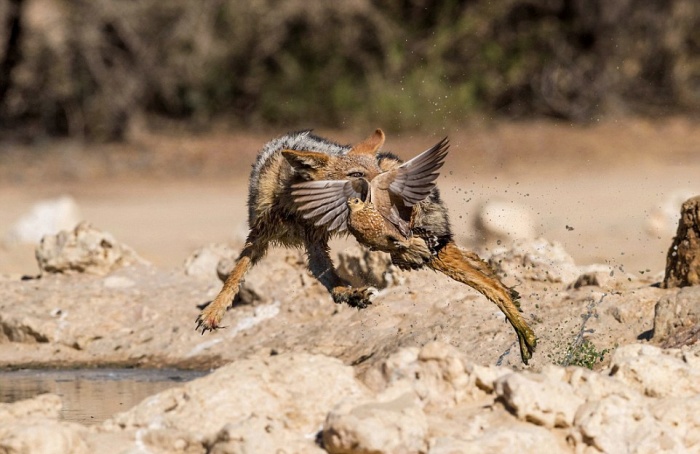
[{"x": 355, "y": 204}]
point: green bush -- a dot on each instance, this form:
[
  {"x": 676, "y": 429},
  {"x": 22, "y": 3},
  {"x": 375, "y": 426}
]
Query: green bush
[{"x": 583, "y": 354}]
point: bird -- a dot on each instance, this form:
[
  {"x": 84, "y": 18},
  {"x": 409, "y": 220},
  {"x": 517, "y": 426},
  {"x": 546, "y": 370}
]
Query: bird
[
  {"x": 392, "y": 193},
  {"x": 387, "y": 234}
]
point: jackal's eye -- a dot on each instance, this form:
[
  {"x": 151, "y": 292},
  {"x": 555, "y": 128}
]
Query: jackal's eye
[{"x": 356, "y": 174}]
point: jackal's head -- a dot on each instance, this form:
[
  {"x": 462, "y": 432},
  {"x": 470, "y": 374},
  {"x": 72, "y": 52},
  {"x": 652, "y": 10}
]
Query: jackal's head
[{"x": 359, "y": 163}]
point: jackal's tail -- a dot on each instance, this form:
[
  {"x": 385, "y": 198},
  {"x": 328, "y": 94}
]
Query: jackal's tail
[{"x": 466, "y": 267}]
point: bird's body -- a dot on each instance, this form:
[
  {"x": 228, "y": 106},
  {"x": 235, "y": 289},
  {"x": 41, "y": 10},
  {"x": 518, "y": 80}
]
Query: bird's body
[
  {"x": 393, "y": 192},
  {"x": 374, "y": 230}
]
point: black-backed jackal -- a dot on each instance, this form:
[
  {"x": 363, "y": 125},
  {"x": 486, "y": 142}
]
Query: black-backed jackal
[{"x": 288, "y": 163}]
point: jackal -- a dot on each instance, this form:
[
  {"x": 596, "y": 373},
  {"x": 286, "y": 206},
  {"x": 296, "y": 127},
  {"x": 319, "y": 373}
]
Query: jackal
[{"x": 275, "y": 217}]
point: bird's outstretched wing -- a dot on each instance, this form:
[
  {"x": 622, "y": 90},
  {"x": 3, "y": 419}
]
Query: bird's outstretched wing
[
  {"x": 326, "y": 201},
  {"x": 394, "y": 217},
  {"x": 415, "y": 179}
]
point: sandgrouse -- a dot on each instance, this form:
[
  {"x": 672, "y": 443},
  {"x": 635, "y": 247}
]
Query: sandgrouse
[
  {"x": 378, "y": 212},
  {"x": 374, "y": 230}
]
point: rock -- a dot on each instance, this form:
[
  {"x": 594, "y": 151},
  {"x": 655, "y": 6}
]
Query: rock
[
  {"x": 395, "y": 425},
  {"x": 523, "y": 439},
  {"x": 647, "y": 369},
  {"x": 487, "y": 377},
  {"x": 535, "y": 260},
  {"x": 435, "y": 372},
  {"x": 592, "y": 386},
  {"x": 682, "y": 416},
  {"x": 42, "y": 437},
  {"x": 676, "y": 313},
  {"x": 404, "y": 392},
  {"x": 26, "y": 330},
  {"x": 32, "y": 426},
  {"x": 615, "y": 424},
  {"x": 427, "y": 399},
  {"x": 683, "y": 258},
  {"x": 539, "y": 399},
  {"x": 47, "y": 217},
  {"x": 688, "y": 335},
  {"x": 498, "y": 221},
  {"x": 361, "y": 266},
  {"x": 42, "y": 406},
  {"x": 244, "y": 437},
  {"x": 84, "y": 250},
  {"x": 272, "y": 403},
  {"x": 205, "y": 260},
  {"x": 115, "y": 282}
]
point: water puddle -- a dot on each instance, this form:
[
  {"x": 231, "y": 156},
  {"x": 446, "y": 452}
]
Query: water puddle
[{"x": 91, "y": 395}]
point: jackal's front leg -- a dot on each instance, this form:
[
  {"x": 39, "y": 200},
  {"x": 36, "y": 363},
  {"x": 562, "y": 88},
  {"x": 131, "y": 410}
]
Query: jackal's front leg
[
  {"x": 321, "y": 266},
  {"x": 210, "y": 317},
  {"x": 468, "y": 268}
]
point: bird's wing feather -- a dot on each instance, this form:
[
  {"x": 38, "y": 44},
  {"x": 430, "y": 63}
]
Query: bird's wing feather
[
  {"x": 325, "y": 201},
  {"x": 415, "y": 179},
  {"x": 400, "y": 224}
]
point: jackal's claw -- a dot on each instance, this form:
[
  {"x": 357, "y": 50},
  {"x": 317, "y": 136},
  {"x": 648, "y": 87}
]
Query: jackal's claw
[
  {"x": 206, "y": 325},
  {"x": 527, "y": 341}
]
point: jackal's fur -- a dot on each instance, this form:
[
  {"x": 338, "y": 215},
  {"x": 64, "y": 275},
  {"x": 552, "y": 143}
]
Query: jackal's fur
[{"x": 273, "y": 218}]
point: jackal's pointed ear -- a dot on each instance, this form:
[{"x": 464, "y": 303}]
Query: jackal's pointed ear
[
  {"x": 370, "y": 145},
  {"x": 305, "y": 160}
]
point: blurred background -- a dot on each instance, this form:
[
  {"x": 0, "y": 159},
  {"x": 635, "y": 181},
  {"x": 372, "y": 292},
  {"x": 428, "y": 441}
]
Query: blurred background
[
  {"x": 147, "y": 114},
  {"x": 94, "y": 68}
]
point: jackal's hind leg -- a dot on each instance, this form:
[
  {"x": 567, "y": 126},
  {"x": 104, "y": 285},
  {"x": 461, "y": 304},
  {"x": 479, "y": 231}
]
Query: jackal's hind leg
[
  {"x": 210, "y": 317},
  {"x": 321, "y": 266},
  {"x": 468, "y": 268}
]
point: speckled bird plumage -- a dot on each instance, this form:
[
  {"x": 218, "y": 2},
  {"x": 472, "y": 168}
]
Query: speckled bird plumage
[{"x": 369, "y": 227}]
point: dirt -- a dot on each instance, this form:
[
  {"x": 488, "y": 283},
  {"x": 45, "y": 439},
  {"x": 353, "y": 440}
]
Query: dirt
[{"x": 595, "y": 190}]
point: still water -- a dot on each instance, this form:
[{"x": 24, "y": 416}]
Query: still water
[{"x": 91, "y": 395}]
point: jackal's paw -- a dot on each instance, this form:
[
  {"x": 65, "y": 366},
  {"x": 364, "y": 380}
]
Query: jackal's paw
[
  {"x": 210, "y": 317},
  {"x": 355, "y": 297},
  {"x": 527, "y": 341}
]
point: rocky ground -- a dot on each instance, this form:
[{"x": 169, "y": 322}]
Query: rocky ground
[{"x": 431, "y": 366}]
